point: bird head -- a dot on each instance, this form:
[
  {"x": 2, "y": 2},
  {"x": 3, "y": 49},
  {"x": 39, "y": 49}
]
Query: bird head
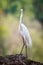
[{"x": 21, "y": 10}]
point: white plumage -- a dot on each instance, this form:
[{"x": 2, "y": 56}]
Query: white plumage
[{"x": 24, "y": 33}]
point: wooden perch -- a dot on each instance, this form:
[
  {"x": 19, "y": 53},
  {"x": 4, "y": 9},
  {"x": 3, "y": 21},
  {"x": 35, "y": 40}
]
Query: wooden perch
[{"x": 18, "y": 59}]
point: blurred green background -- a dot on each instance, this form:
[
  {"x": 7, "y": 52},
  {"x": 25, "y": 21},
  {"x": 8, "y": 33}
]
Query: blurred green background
[{"x": 10, "y": 41}]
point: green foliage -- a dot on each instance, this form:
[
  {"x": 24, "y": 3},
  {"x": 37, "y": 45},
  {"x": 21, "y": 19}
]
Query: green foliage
[
  {"x": 3, "y": 34},
  {"x": 2, "y": 41},
  {"x": 38, "y": 10},
  {"x": 13, "y": 6}
]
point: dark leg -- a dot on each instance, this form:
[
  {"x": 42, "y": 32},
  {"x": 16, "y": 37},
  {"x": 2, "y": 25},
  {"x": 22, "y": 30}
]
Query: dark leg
[
  {"x": 23, "y": 45},
  {"x": 22, "y": 49},
  {"x": 26, "y": 51}
]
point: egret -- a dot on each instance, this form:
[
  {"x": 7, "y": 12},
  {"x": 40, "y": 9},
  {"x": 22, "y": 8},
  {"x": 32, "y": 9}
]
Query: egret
[{"x": 24, "y": 33}]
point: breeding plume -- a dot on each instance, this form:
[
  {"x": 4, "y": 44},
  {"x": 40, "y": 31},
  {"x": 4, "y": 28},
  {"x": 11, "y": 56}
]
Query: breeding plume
[{"x": 24, "y": 33}]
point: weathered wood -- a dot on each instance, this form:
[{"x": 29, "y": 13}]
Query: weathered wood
[{"x": 17, "y": 59}]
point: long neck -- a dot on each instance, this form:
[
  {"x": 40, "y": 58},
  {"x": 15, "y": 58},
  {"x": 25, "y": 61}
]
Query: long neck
[{"x": 21, "y": 16}]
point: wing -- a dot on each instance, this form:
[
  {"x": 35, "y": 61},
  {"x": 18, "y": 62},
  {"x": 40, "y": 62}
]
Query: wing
[{"x": 26, "y": 33}]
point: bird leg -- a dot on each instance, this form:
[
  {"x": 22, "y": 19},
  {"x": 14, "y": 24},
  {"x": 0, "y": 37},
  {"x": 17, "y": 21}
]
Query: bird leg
[
  {"x": 26, "y": 51},
  {"x": 23, "y": 44},
  {"x": 22, "y": 49}
]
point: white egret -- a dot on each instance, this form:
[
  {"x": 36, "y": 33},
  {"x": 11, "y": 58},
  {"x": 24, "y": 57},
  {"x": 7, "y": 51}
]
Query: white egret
[{"x": 24, "y": 33}]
